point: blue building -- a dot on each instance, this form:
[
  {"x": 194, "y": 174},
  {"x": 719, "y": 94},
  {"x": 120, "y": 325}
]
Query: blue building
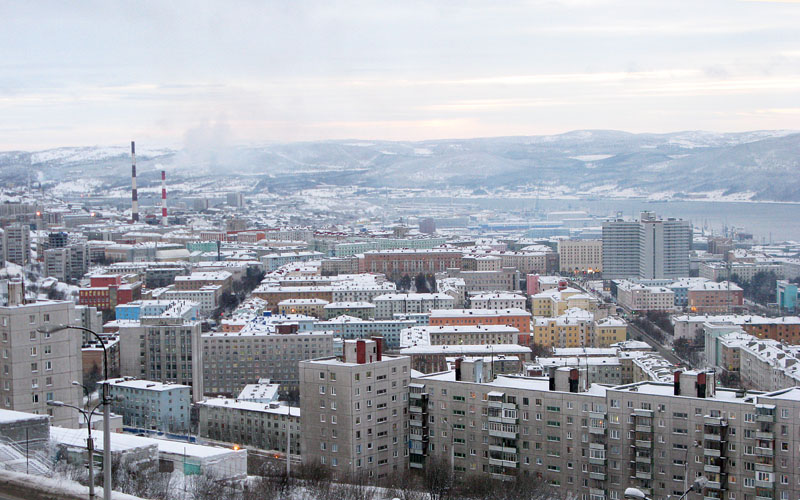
[
  {"x": 787, "y": 296},
  {"x": 150, "y": 405}
]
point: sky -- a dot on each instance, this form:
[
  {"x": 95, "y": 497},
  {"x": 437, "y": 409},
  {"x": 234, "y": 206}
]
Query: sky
[{"x": 250, "y": 72}]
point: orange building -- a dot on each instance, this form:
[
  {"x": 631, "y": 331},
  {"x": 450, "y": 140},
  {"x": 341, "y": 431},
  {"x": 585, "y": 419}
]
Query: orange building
[{"x": 517, "y": 318}]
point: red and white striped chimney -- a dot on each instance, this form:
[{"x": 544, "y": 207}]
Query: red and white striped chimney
[
  {"x": 163, "y": 197},
  {"x": 134, "y": 195}
]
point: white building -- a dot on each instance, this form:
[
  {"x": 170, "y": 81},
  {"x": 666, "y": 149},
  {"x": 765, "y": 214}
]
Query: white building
[
  {"x": 387, "y": 305},
  {"x": 638, "y": 297},
  {"x": 497, "y": 300}
]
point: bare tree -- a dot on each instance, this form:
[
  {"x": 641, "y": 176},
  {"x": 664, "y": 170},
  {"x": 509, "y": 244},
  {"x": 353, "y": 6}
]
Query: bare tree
[{"x": 438, "y": 479}]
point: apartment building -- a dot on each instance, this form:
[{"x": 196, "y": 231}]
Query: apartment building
[
  {"x": 497, "y": 300},
  {"x": 398, "y": 262},
  {"x": 151, "y": 405},
  {"x": 17, "y": 244},
  {"x": 506, "y": 279},
  {"x": 555, "y": 301},
  {"x": 580, "y": 256},
  {"x": 198, "y": 280},
  {"x": 307, "y": 307},
  {"x": 163, "y": 348},
  {"x": 459, "y": 335},
  {"x": 716, "y": 271},
  {"x": 37, "y": 366},
  {"x": 251, "y": 424},
  {"x": 519, "y": 318},
  {"x": 571, "y": 329},
  {"x": 363, "y": 310},
  {"x": 349, "y": 327},
  {"x": 638, "y": 297},
  {"x": 69, "y": 262},
  {"x": 266, "y": 347},
  {"x": 387, "y": 305},
  {"x": 355, "y": 410},
  {"x": 437, "y": 358},
  {"x": 712, "y": 297},
  {"x": 783, "y": 329},
  {"x": 594, "y": 442}
]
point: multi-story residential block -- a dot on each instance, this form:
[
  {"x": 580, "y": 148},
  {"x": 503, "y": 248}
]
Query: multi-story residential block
[
  {"x": 454, "y": 287},
  {"x": 654, "y": 436},
  {"x": 307, "y": 307},
  {"x": 68, "y": 262},
  {"x": 198, "y": 280},
  {"x": 518, "y": 318},
  {"x": 647, "y": 248},
  {"x": 355, "y": 410},
  {"x": 712, "y": 297},
  {"x": 363, "y": 310},
  {"x": 580, "y": 256},
  {"x": 146, "y": 404},
  {"x": 437, "y": 358},
  {"x": 206, "y": 297},
  {"x": 336, "y": 292},
  {"x": 783, "y": 329},
  {"x": 39, "y": 365},
  {"x": 349, "y": 327},
  {"x": 387, "y": 305},
  {"x": 273, "y": 261},
  {"x": 399, "y": 262},
  {"x": 716, "y": 271},
  {"x": 506, "y": 279},
  {"x": 497, "y": 300},
  {"x": 571, "y": 329},
  {"x": 459, "y": 335},
  {"x": 609, "y": 331},
  {"x": 638, "y": 297},
  {"x": 163, "y": 348},
  {"x": 17, "y": 244},
  {"x": 555, "y": 301},
  {"x": 267, "y": 347},
  {"x": 251, "y": 423}
]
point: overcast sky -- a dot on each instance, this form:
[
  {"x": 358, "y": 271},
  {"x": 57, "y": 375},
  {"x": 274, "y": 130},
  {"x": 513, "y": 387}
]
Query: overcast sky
[{"x": 164, "y": 73}]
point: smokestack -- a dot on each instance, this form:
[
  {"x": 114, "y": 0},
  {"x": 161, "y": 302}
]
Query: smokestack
[
  {"x": 163, "y": 197},
  {"x": 134, "y": 195}
]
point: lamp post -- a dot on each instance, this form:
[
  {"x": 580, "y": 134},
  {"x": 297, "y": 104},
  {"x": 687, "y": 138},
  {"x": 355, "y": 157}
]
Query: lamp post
[
  {"x": 87, "y": 416},
  {"x": 105, "y": 401},
  {"x": 637, "y": 494}
]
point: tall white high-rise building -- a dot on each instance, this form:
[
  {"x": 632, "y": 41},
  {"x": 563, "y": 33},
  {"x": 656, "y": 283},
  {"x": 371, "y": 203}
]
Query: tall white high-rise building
[{"x": 650, "y": 248}]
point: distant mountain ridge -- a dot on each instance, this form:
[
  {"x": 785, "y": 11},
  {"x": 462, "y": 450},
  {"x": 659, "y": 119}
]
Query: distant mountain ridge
[{"x": 760, "y": 165}]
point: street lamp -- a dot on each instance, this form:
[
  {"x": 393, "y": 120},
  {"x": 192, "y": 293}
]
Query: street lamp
[
  {"x": 105, "y": 401},
  {"x": 87, "y": 416},
  {"x": 637, "y": 494}
]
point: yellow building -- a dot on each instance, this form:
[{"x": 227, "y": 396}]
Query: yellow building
[
  {"x": 554, "y": 302},
  {"x": 577, "y": 328},
  {"x": 308, "y": 307},
  {"x": 609, "y": 331}
]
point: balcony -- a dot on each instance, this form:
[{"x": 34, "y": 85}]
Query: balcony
[
  {"x": 415, "y": 465},
  {"x": 714, "y": 485},
  {"x": 759, "y": 497},
  {"x": 643, "y": 475},
  {"x": 503, "y": 420},
  {"x": 712, "y": 437},
  {"x": 600, "y": 476},
  {"x": 502, "y": 477},
  {"x": 643, "y": 413},
  {"x": 596, "y": 414},
  {"x": 643, "y": 459},
  {"x": 765, "y": 435},
  {"x": 502, "y": 449},
  {"x": 597, "y": 446},
  {"x": 414, "y": 422},
  {"x": 640, "y": 443},
  {"x": 418, "y": 437},
  {"x": 713, "y": 469},
  {"x": 716, "y": 421},
  {"x": 597, "y": 430},
  {"x": 644, "y": 428},
  {"x": 765, "y": 418},
  {"x": 503, "y": 434},
  {"x": 764, "y": 452},
  {"x": 597, "y": 461},
  {"x": 765, "y": 468},
  {"x": 510, "y": 464},
  {"x": 765, "y": 484},
  {"x": 418, "y": 395},
  {"x": 415, "y": 409},
  {"x": 597, "y": 494},
  {"x": 711, "y": 452}
]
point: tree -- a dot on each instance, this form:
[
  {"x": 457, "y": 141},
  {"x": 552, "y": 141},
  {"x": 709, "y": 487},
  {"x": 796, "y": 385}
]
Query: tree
[
  {"x": 438, "y": 478},
  {"x": 90, "y": 379},
  {"x": 405, "y": 283},
  {"x": 421, "y": 284}
]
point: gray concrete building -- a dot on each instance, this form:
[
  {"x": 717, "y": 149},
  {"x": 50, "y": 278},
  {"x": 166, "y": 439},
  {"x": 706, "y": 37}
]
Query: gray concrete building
[
  {"x": 37, "y": 366},
  {"x": 166, "y": 349},
  {"x": 355, "y": 410},
  {"x": 151, "y": 405}
]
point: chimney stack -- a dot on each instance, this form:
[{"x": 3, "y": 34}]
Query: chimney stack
[
  {"x": 676, "y": 382},
  {"x": 163, "y": 197},
  {"x": 134, "y": 195},
  {"x": 378, "y": 347}
]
